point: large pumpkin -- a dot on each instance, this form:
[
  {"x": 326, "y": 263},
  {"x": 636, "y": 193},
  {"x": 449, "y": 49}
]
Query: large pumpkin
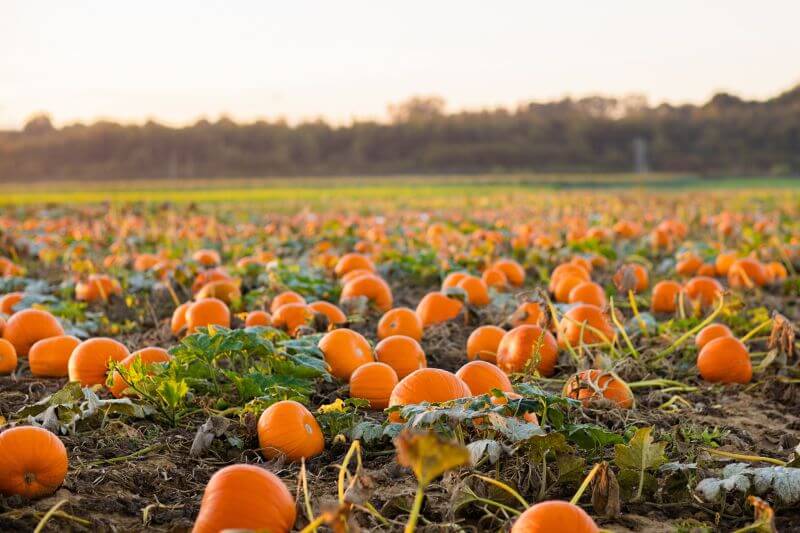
[
  {"x": 33, "y": 462},
  {"x": 88, "y": 363},
  {"x": 345, "y": 350},
  {"x": 432, "y": 385},
  {"x": 245, "y": 497},
  {"x": 28, "y": 326},
  {"x": 50, "y": 357},
  {"x": 521, "y": 344}
]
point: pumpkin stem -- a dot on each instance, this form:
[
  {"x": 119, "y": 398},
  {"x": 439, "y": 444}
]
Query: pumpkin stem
[{"x": 29, "y": 478}]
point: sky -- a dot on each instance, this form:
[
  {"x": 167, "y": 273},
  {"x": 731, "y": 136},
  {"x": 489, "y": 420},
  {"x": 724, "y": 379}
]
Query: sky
[{"x": 177, "y": 61}]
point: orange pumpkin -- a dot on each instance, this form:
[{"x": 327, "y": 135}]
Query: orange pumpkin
[
  {"x": 400, "y": 321},
  {"x": 371, "y": 287},
  {"x": 286, "y": 297},
  {"x": 527, "y": 313},
  {"x": 483, "y": 342},
  {"x": 226, "y": 290},
  {"x": 373, "y": 382},
  {"x": 432, "y": 385},
  {"x": 496, "y": 278},
  {"x": 33, "y": 462},
  {"x": 208, "y": 276},
  {"x": 476, "y": 290},
  {"x": 334, "y": 315},
  {"x": 8, "y": 301},
  {"x": 8, "y": 357},
  {"x": 665, "y": 296},
  {"x": 513, "y": 271},
  {"x": 292, "y": 316},
  {"x": 704, "y": 290},
  {"x": 553, "y": 516},
  {"x": 402, "y": 353},
  {"x": 482, "y": 377},
  {"x": 88, "y": 362},
  {"x": 453, "y": 279},
  {"x": 353, "y": 261},
  {"x": 345, "y": 350},
  {"x": 725, "y": 360},
  {"x": 288, "y": 428},
  {"x": 521, "y": 344},
  {"x": 588, "y": 292},
  {"x": 204, "y": 313},
  {"x": 258, "y": 318},
  {"x": 207, "y": 258},
  {"x": 98, "y": 288},
  {"x": 149, "y": 356},
  {"x": 640, "y": 275},
  {"x": 28, "y": 326},
  {"x": 178, "y": 322},
  {"x": 435, "y": 308},
  {"x": 747, "y": 273},
  {"x": 245, "y": 497},
  {"x": 50, "y": 357},
  {"x": 591, "y": 384},
  {"x": 711, "y": 332},
  {"x": 585, "y": 324}
]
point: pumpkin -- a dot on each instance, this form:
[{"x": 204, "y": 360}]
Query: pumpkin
[
  {"x": 432, "y": 385},
  {"x": 292, "y": 317},
  {"x": 28, "y": 326},
  {"x": 482, "y": 377},
  {"x": 436, "y": 307},
  {"x": 8, "y": 301},
  {"x": 585, "y": 324},
  {"x": 345, "y": 350},
  {"x": 711, "y": 332},
  {"x": 704, "y": 290},
  {"x": 207, "y": 258},
  {"x": 552, "y": 516},
  {"x": 483, "y": 342},
  {"x": 204, "y": 313},
  {"x": 98, "y": 288},
  {"x": 88, "y": 362},
  {"x": 592, "y": 384},
  {"x": 288, "y": 428},
  {"x": 522, "y": 343},
  {"x": 334, "y": 315},
  {"x": 8, "y": 357},
  {"x": 50, "y": 357},
  {"x": 402, "y": 353},
  {"x": 476, "y": 290},
  {"x": 33, "y": 462},
  {"x": 400, "y": 321},
  {"x": 149, "y": 356},
  {"x": 245, "y": 497},
  {"x": 373, "y": 382},
  {"x": 513, "y": 271},
  {"x": 258, "y": 318},
  {"x": 588, "y": 292},
  {"x": 226, "y": 290},
  {"x": 371, "y": 287},
  {"x": 286, "y": 297},
  {"x": 353, "y": 261},
  {"x": 178, "y": 321},
  {"x": 725, "y": 360},
  {"x": 665, "y": 296}
]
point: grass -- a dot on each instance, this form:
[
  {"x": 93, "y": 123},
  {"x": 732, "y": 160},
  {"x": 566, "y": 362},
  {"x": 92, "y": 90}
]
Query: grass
[{"x": 286, "y": 194}]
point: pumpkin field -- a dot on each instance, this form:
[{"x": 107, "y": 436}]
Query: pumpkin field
[{"x": 451, "y": 355}]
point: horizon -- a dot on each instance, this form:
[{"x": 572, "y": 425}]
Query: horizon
[{"x": 180, "y": 63}]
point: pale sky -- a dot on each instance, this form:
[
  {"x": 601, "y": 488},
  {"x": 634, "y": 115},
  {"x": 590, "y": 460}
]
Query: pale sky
[{"x": 180, "y": 60}]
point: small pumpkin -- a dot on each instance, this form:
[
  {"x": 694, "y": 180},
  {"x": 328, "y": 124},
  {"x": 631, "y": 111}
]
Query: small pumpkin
[
  {"x": 345, "y": 350},
  {"x": 554, "y": 515},
  {"x": 522, "y": 343},
  {"x": 8, "y": 357},
  {"x": 373, "y": 382},
  {"x": 402, "y": 353},
  {"x": 482, "y": 377},
  {"x": 592, "y": 384},
  {"x": 50, "y": 357},
  {"x": 288, "y": 428},
  {"x": 28, "y": 326}
]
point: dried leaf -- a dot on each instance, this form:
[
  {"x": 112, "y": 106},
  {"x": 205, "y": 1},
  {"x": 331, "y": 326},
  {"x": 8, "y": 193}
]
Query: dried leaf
[
  {"x": 605, "y": 492},
  {"x": 429, "y": 455},
  {"x": 214, "y": 427}
]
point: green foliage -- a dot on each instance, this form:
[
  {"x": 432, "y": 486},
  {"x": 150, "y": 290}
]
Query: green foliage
[{"x": 637, "y": 458}]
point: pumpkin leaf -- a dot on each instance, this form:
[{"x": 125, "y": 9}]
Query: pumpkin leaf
[
  {"x": 428, "y": 455},
  {"x": 484, "y": 447},
  {"x": 637, "y": 457},
  {"x": 513, "y": 428},
  {"x": 780, "y": 481}
]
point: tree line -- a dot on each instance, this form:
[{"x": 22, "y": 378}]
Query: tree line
[{"x": 726, "y": 135}]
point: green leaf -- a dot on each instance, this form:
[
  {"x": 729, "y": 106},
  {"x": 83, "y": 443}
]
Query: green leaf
[{"x": 641, "y": 453}]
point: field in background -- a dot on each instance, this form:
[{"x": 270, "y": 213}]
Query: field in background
[{"x": 286, "y": 194}]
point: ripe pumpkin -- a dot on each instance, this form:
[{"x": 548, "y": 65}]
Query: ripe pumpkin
[
  {"x": 257, "y": 318},
  {"x": 591, "y": 384},
  {"x": 641, "y": 277},
  {"x": 370, "y": 286},
  {"x": 178, "y": 322},
  {"x": 432, "y": 385},
  {"x": 400, "y": 321},
  {"x": 50, "y": 357},
  {"x": 292, "y": 316},
  {"x": 527, "y": 313},
  {"x": 207, "y": 312},
  {"x": 353, "y": 274},
  {"x": 28, "y": 326},
  {"x": 245, "y": 497},
  {"x": 453, "y": 279},
  {"x": 286, "y": 297},
  {"x": 476, "y": 289},
  {"x": 496, "y": 278},
  {"x": 144, "y": 262},
  {"x": 567, "y": 269},
  {"x": 711, "y": 332},
  {"x": 725, "y": 360},
  {"x": 98, "y": 288},
  {"x": 704, "y": 290},
  {"x": 483, "y": 342},
  {"x": 334, "y": 315},
  {"x": 481, "y": 377},
  {"x": 8, "y": 301},
  {"x": 571, "y": 325},
  {"x": 402, "y": 353},
  {"x": 208, "y": 276},
  {"x": 513, "y": 271},
  {"x": 522, "y": 343},
  {"x": 373, "y": 382},
  {"x": 88, "y": 362},
  {"x": 552, "y": 516},
  {"x": 149, "y": 356},
  {"x": 353, "y": 261},
  {"x": 747, "y": 273},
  {"x": 8, "y": 357},
  {"x": 777, "y": 271},
  {"x": 33, "y": 462},
  {"x": 436, "y": 307},
  {"x": 345, "y": 350},
  {"x": 688, "y": 265},
  {"x": 588, "y": 292},
  {"x": 226, "y": 290},
  {"x": 288, "y": 428},
  {"x": 723, "y": 262},
  {"x": 207, "y": 258},
  {"x": 665, "y": 296}
]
